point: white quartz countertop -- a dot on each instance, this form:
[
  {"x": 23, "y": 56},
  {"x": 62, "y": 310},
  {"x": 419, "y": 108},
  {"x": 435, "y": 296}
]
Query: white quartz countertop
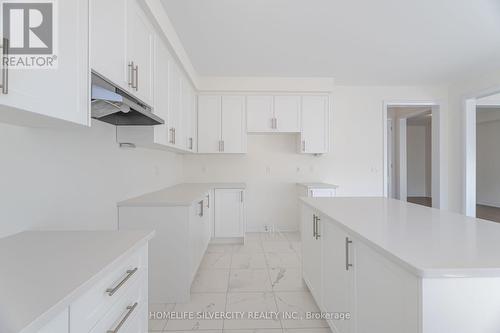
[
  {"x": 427, "y": 241},
  {"x": 42, "y": 272},
  {"x": 318, "y": 185},
  {"x": 184, "y": 194}
]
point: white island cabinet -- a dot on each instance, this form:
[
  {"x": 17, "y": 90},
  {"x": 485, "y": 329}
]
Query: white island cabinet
[
  {"x": 74, "y": 281},
  {"x": 386, "y": 266}
]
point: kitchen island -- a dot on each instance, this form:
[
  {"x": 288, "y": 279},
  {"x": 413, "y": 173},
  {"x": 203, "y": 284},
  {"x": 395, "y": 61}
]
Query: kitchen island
[{"x": 398, "y": 267}]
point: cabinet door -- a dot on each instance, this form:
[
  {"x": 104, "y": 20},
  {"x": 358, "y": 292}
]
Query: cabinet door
[
  {"x": 387, "y": 296},
  {"x": 140, "y": 42},
  {"x": 174, "y": 111},
  {"x": 162, "y": 92},
  {"x": 287, "y": 113},
  {"x": 62, "y": 92},
  {"x": 338, "y": 287},
  {"x": 209, "y": 123},
  {"x": 260, "y": 113},
  {"x": 233, "y": 134},
  {"x": 188, "y": 116},
  {"x": 315, "y": 125},
  {"x": 108, "y": 40},
  {"x": 229, "y": 213},
  {"x": 311, "y": 253}
]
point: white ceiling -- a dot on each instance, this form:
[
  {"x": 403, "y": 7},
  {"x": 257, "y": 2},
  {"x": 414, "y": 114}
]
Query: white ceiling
[{"x": 356, "y": 41}]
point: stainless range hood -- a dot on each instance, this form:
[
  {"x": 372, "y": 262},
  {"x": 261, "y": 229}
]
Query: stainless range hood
[{"x": 114, "y": 106}]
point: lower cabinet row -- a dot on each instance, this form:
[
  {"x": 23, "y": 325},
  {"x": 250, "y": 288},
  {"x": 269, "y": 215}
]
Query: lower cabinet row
[
  {"x": 357, "y": 287},
  {"x": 182, "y": 237}
]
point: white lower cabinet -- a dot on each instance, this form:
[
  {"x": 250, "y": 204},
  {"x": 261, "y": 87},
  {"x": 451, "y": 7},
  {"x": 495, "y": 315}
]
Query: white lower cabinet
[
  {"x": 182, "y": 237},
  {"x": 356, "y": 285},
  {"x": 229, "y": 213},
  {"x": 118, "y": 300}
]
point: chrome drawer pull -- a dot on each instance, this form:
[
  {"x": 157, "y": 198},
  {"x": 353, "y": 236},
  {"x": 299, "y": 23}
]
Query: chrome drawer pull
[
  {"x": 112, "y": 291},
  {"x": 130, "y": 309}
]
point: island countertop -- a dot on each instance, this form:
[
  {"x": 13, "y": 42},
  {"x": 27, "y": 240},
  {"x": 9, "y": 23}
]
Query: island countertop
[
  {"x": 184, "y": 194},
  {"x": 427, "y": 241},
  {"x": 42, "y": 272}
]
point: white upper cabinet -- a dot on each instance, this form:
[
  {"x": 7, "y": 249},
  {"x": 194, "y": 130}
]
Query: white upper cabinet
[
  {"x": 162, "y": 92},
  {"x": 287, "y": 114},
  {"x": 59, "y": 93},
  {"x": 273, "y": 114},
  {"x": 108, "y": 38},
  {"x": 175, "y": 111},
  {"x": 189, "y": 116},
  {"x": 209, "y": 124},
  {"x": 260, "y": 114},
  {"x": 140, "y": 45},
  {"x": 233, "y": 136},
  {"x": 123, "y": 46},
  {"x": 315, "y": 125},
  {"x": 221, "y": 124}
]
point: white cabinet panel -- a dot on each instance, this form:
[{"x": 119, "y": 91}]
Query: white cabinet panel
[
  {"x": 287, "y": 113},
  {"x": 315, "y": 125},
  {"x": 61, "y": 93},
  {"x": 229, "y": 213},
  {"x": 233, "y": 124},
  {"x": 311, "y": 252},
  {"x": 386, "y": 295},
  {"x": 162, "y": 92},
  {"x": 174, "y": 111},
  {"x": 260, "y": 113},
  {"x": 108, "y": 40},
  {"x": 209, "y": 124},
  {"x": 189, "y": 116},
  {"x": 338, "y": 287},
  {"x": 140, "y": 44}
]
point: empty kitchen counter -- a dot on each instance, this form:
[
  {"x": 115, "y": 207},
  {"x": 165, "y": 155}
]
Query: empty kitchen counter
[{"x": 44, "y": 273}]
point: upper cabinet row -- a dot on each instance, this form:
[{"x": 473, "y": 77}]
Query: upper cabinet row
[
  {"x": 132, "y": 55},
  {"x": 224, "y": 121}
]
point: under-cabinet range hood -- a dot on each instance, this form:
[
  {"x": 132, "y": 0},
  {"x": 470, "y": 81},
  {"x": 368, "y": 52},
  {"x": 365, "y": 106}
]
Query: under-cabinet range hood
[{"x": 114, "y": 106}]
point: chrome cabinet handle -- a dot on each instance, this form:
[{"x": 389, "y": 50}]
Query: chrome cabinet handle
[
  {"x": 241, "y": 196},
  {"x": 191, "y": 143},
  {"x": 208, "y": 200},
  {"x": 275, "y": 123},
  {"x": 171, "y": 140},
  {"x": 314, "y": 225},
  {"x": 318, "y": 235},
  {"x": 112, "y": 291},
  {"x": 130, "y": 309},
  {"x": 347, "y": 264},
  {"x": 137, "y": 78},
  {"x": 174, "y": 139},
  {"x": 303, "y": 145},
  {"x": 223, "y": 146},
  {"x": 131, "y": 75},
  {"x": 201, "y": 208},
  {"x": 5, "y": 67}
]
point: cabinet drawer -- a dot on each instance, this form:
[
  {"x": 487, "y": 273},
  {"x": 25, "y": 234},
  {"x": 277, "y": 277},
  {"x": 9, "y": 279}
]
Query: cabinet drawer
[
  {"x": 129, "y": 313},
  {"x": 92, "y": 306}
]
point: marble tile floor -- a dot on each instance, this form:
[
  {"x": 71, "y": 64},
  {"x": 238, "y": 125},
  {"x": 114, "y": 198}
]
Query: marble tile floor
[{"x": 262, "y": 276}]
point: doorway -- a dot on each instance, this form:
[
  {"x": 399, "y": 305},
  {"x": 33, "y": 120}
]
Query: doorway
[
  {"x": 412, "y": 139},
  {"x": 482, "y": 157}
]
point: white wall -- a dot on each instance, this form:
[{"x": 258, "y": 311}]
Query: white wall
[
  {"x": 72, "y": 179},
  {"x": 488, "y": 163},
  {"x": 355, "y": 162},
  {"x": 419, "y": 168}
]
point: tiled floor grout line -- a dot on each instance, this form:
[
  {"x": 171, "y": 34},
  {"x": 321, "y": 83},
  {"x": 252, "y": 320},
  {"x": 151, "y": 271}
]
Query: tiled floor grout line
[{"x": 228, "y": 284}]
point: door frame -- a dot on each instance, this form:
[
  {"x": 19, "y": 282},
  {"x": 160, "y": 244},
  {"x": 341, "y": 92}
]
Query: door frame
[
  {"x": 469, "y": 106},
  {"x": 438, "y": 191}
]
